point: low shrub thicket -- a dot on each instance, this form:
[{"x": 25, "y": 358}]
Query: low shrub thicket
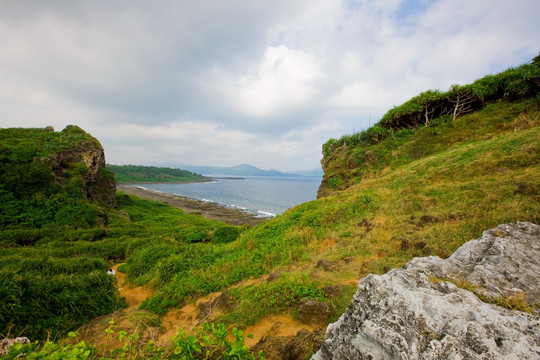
[{"x": 433, "y": 105}]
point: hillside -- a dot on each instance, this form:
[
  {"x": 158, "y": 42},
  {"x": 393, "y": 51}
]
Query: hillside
[
  {"x": 152, "y": 174},
  {"x": 404, "y": 188},
  {"x": 62, "y": 172},
  {"x": 391, "y": 143},
  {"x": 62, "y": 226},
  {"x": 421, "y": 190}
]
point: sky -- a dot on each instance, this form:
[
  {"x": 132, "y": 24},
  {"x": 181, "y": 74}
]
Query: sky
[{"x": 225, "y": 82}]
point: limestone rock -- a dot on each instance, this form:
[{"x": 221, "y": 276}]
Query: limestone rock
[
  {"x": 5, "y": 344},
  {"x": 412, "y": 313}
]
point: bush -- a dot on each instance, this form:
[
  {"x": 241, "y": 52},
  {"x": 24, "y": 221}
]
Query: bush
[
  {"x": 226, "y": 234},
  {"x": 144, "y": 260},
  {"x": 334, "y": 182},
  {"x": 198, "y": 236}
]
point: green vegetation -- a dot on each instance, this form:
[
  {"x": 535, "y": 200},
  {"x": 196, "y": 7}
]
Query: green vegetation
[
  {"x": 208, "y": 341},
  {"x": 62, "y": 273},
  {"x": 42, "y": 185},
  {"x": 57, "y": 237},
  {"x": 514, "y": 84},
  {"x": 405, "y": 187},
  {"x": 147, "y": 174}
]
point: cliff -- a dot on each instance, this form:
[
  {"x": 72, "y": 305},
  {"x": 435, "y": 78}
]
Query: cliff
[
  {"x": 364, "y": 154},
  {"x": 53, "y": 178},
  {"x": 458, "y": 308},
  {"x": 86, "y": 155}
]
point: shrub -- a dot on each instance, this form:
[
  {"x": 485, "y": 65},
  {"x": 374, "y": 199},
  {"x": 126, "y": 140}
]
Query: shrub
[
  {"x": 198, "y": 236},
  {"x": 334, "y": 182},
  {"x": 226, "y": 234}
]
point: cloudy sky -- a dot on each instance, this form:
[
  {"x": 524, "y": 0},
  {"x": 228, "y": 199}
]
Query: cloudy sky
[{"x": 225, "y": 82}]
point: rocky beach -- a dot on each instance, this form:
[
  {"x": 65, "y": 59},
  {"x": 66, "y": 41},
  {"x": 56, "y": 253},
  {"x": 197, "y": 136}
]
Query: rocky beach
[{"x": 208, "y": 210}]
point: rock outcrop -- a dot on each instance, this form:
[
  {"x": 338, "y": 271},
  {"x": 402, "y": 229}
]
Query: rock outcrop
[
  {"x": 5, "y": 344},
  {"x": 418, "y": 311},
  {"x": 97, "y": 184}
]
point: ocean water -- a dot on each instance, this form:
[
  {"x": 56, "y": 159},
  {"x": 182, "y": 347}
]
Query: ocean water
[{"x": 258, "y": 195}]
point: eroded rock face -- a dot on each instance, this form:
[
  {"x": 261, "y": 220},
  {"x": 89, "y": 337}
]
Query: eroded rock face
[
  {"x": 98, "y": 185},
  {"x": 412, "y": 313}
]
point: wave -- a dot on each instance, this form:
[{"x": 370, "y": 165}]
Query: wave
[{"x": 265, "y": 214}]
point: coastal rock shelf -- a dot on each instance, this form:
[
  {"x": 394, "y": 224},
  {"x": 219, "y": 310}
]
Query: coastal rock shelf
[
  {"x": 208, "y": 210},
  {"x": 430, "y": 308}
]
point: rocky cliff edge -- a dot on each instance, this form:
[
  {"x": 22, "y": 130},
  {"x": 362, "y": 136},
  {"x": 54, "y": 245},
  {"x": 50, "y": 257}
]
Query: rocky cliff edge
[{"x": 448, "y": 309}]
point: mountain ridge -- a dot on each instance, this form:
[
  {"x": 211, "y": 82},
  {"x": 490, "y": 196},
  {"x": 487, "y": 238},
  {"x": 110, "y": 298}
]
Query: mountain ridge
[{"x": 246, "y": 170}]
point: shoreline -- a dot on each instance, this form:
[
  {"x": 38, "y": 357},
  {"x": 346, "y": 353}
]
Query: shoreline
[
  {"x": 207, "y": 210},
  {"x": 206, "y": 179}
]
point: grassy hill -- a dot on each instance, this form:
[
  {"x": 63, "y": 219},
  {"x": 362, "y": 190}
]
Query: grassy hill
[
  {"x": 60, "y": 231},
  {"x": 152, "y": 174},
  {"x": 403, "y": 188}
]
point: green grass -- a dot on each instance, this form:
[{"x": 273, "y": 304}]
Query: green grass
[
  {"x": 416, "y": 192},
  {"x": 53, "y": 280},
  {"x": 258, "y": 301}
]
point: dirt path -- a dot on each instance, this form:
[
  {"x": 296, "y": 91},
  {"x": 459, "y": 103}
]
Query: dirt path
[
  {"x": 134, "y": 295},
  {"x": 208, "y": 210},
  {"x": 95, "y": 331}
]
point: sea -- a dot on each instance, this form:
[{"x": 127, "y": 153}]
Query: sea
[{"x": 261, "y": 196}]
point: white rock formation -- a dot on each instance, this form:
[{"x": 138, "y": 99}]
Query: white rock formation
[{"x": 409, "y": 313}]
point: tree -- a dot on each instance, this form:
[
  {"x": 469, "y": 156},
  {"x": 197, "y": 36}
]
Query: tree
[{"x": 463, "y": 100}]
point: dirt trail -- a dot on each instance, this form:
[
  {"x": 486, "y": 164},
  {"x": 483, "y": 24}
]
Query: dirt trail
[
  {"x": 95, "y": 331},
  {"x": 186, "y": 318},
  {"x": 134, "y": 296}
]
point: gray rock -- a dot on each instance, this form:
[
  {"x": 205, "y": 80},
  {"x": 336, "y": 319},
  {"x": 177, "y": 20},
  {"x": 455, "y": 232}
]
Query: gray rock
[
  {"x": 411, "y": 313},
  {"x": 5, "y": 344}
]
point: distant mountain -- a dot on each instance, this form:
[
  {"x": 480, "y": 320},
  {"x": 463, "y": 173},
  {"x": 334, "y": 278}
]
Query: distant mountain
[
  {"x": 245, "y": 170},
  {"x": 318, "y": 172}
]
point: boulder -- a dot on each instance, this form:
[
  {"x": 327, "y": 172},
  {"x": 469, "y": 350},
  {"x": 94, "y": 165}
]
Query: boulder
[
  {"x": 5, "y": 344},
  {"x": 295, "y": 347},
  {"x": 418, "y": 311},
  {"x": 313, "y": 312}
]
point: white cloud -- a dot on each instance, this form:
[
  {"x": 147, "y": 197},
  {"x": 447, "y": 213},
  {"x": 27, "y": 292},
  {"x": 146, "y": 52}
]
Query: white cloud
[
  {"x": 361, "y": 95},
  {"x": 223, "y": 83},
  {"x": 285, "y": 79}
]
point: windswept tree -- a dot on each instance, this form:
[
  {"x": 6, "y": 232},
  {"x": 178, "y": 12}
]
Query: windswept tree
[{"x": 463, "y": 100}]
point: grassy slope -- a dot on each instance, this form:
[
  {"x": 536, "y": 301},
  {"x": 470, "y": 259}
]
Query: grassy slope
[
  {"x": 54, "y": 279},
  {"x": 434, "y": 189},
  {"x": 420, "y": 193}
]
